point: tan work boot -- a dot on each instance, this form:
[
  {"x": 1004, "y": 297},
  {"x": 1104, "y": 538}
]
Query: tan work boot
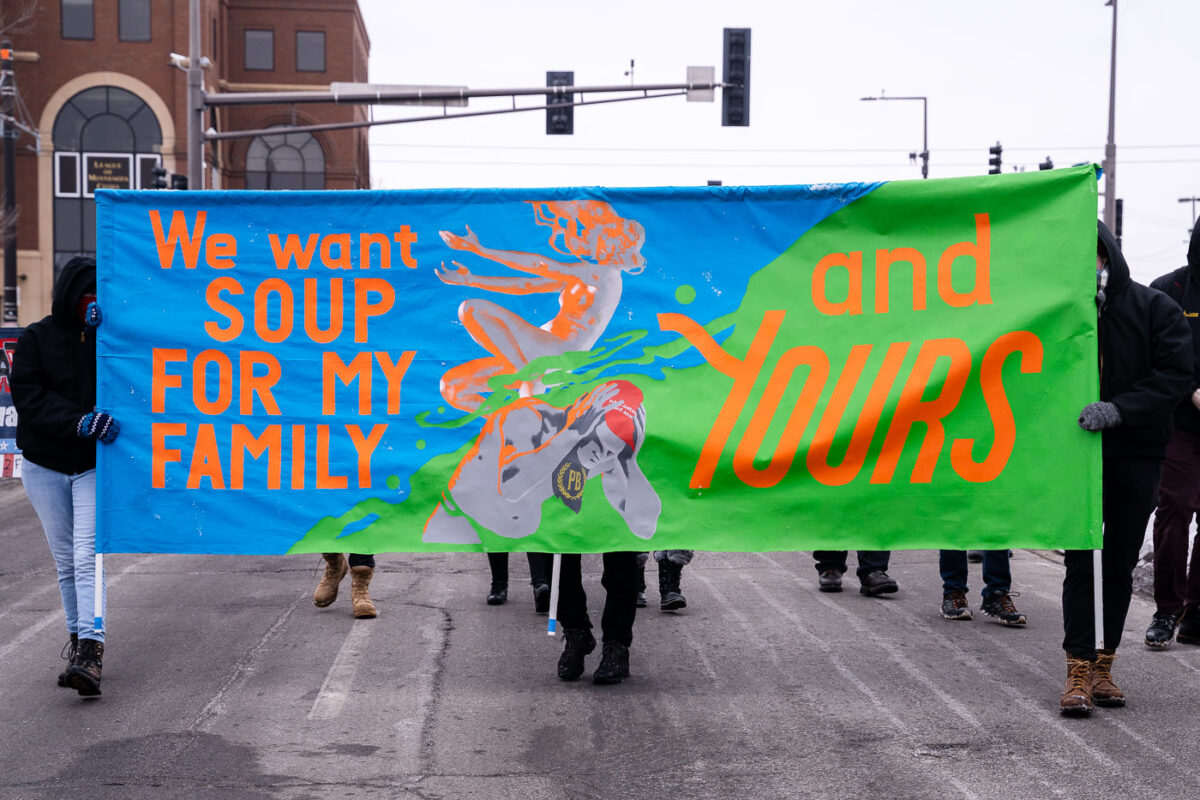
[
  {"x": 1104, "y": 691},
  {"x": 1077, "y": 696},
  {"x": 360, "y": 579},
  {"x": 327, "y": 589}
]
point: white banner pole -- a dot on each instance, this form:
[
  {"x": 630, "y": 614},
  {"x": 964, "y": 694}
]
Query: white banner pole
[
  {"x": 1098, "y": 596},
  {"x": 555, "y": 572},
  {"x": 98, "y": 604}
]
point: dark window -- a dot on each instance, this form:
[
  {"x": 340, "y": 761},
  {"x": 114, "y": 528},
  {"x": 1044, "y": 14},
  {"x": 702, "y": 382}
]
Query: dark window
[
  {"x": 310, "y": 51},
  {"x": 260, "y": 49},
  {"x": 78, "y": 19},
  {"x": 285, "y": 161},
  {"x": 134, "y": 20},
  {"x": 66, "y": 166}
]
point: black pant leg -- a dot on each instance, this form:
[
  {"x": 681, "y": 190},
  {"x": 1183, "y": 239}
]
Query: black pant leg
[
  {"x": 830, "y": 559},
  {"x": 620, "y": 583},
  {"x": 361, "y": 560},
  {"x": 541, "y": 566},
  {"x": 572, "y": 601},
  {"x": 871, "y": 560},
  {"x": 498, "y": 562}
]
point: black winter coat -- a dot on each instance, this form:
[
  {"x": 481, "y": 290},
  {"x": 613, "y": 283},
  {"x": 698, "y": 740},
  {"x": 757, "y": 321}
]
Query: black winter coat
[
  {"x": 1183, "y": 286},
  {"x": 53, "y": 378},
  {"x": 1145, "y": 359}
]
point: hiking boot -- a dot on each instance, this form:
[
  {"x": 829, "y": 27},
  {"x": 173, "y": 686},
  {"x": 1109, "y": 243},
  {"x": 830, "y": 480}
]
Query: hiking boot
[
  {"x": 670, "y": 598},
  {"x": 640, "y": 602},
  {"x": 1104, "y": 691},
  {"x": 954, "y": 606},
  {"x": 1001, "y": 607},
  {"x": 614, "y": 664},
  {"x": 1161, "y": 630},
  {"x": 877, "y": 582},
  {"x": 498, "y": 594},
  {"x": 577, "y": 643},
  {"x": 541, "y": 598},
  {"x": 1189, "y": 627},
  {"x": 360, "y": 599},
  {"x": 1076, "y": 698},
  {"x": 327, "y": 589},
  {"x": 830, "y": 580},
  {"x": 84, "y": 675},
  {"x": 69, "y": 654}
]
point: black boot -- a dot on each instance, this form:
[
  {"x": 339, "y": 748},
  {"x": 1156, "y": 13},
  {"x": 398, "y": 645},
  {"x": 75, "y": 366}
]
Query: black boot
[
  {"x": 578, "y": 643},
  {"x": 498, "y": 595},
  {"x": 641, "y": 592},
  {"x": 541, "y": 598},
  {"x": 614, "y": 664},
  {"x": 70, "y": 653},
  {"x": 84, "y": 675},
  {"x": 668, "y": 586}
]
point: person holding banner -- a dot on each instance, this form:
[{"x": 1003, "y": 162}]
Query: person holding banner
[
  {"x": 1176, "y": 584},
  {"x": 53, "y": 384},
  {"x": 1145, "y": 359}
]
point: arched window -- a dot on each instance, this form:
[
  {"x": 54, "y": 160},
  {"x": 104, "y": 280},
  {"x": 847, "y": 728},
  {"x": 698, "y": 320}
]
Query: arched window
[
  {"x": 104, "y": 138},
  {"x": 285, "y": 161}
]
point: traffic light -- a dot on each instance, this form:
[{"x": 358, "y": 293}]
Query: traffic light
[
  {"x": 560, "y": 120},
  {"x": 994, "y": 159},
  {"x": 160, "y": 178},
  {"x": 1047, "y": 164},
  {"x": 735, "y": 96}
]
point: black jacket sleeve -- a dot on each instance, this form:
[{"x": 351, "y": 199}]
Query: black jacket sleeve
[{"x": 1170, "y": 377}]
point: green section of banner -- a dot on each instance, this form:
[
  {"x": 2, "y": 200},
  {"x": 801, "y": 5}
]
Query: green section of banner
[{"x": 908, "y": 374}]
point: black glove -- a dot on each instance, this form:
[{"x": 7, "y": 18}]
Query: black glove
[
  {"x": 1098, "y": 416},
  {"x": 98, "y": 425}
]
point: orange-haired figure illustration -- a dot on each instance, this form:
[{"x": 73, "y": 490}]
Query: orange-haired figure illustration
[
  {"x": 530, "y": 451},
  {"x": 606, "y": 246}
]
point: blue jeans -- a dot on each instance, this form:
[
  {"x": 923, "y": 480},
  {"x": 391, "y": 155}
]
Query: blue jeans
[
  {"x": 997, "y": 579},
  {"x": 66, "y": 505}
]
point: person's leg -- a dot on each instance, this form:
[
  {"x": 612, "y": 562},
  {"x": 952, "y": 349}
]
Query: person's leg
[
  {"x": 830, "y": 560},
  {"x": 49, "y": 493},
  {"x": 1172, "y": 520},
  {"x": 83, "y": 500},
  {"x": 620, "y": 602},
  {"x": 1079, "y": 629},
  {"x": 362, "y": 560},
  {"x": 953, "y": 566},
  {"x": 541, "y": 569},
  {"x": 362, "y": 569},
  {"x": 1129, "y": 497},
  {"x": 670, "y": 574},
  {"x": 872, "y": 560},
  {"x": 872, "y": 573},
  {"x": 572, "y": 600},
  {"x": 997, "y": 573}
]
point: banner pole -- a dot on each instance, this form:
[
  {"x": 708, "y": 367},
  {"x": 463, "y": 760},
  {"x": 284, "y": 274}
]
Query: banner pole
[
  {"x": 1098, "y": 596},
  {"x": 555, "y": 572},
  {"x": 98, "y": 602}
]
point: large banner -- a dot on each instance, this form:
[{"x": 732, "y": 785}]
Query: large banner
[{"x": 583, "y": 370}]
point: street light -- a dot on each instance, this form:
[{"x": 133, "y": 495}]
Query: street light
[{"x": 925, "y": 140}]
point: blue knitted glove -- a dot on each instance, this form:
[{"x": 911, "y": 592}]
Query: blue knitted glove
[
  {"x": 92, "y": 316},
  {"x": 98, "y": 425},
  {"x": 1098, "y": 416}
]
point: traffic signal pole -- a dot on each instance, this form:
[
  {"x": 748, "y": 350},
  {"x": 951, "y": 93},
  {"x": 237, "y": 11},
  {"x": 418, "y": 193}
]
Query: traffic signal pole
[
  {"x": 1110, "y": 149},
  {"x": 195, "y": 100},
  {"x": 8, "y": 230}
]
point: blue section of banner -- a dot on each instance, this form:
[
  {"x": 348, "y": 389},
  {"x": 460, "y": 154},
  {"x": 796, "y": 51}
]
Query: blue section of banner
[{"x": 208, "y": 332}]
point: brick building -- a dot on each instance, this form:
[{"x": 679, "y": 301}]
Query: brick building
[{"x": 98, "y": 81}]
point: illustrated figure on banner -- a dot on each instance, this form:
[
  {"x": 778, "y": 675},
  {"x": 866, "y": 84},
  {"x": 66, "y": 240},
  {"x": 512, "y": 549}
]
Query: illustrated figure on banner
[
  {"x": 606, "y": 245},
  {"x": 530, "y": 451}
]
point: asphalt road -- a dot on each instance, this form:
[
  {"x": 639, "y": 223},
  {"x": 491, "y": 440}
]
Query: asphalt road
[{"x": 221, "y": 680}]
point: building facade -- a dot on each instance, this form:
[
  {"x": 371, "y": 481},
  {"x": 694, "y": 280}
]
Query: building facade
[{"x": 102, "y": 85}]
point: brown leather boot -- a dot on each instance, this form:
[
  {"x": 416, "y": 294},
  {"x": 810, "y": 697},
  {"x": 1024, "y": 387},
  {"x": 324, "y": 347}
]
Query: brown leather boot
[
  {"x": 327, "y": 589},
  {"x": 1104, "y": 691},
  {"x": 360, "y": 579},
  {"x": 1077, "y": 696}
]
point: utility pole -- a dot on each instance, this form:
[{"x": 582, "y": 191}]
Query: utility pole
[
  {"x": 924, "y": 154},
  {"x": 8, "y": 130},
  {"x": 195, "y": 101},
  {"x": 1191, "y": 200},
  {"x": 1110, "y": 149}
]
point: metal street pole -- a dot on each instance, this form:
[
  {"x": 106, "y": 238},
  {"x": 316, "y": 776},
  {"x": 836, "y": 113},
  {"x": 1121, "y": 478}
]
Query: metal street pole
[
  {"x": 1110, "y": 149},
  {"x": 925, "y": 128},
  {"x": 195, "y": 101},
  {"x": 8, "y": 132}
]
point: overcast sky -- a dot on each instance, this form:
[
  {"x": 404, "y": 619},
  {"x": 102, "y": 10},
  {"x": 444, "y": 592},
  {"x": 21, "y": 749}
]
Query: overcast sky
[{"x": 1032, "y": 75}]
